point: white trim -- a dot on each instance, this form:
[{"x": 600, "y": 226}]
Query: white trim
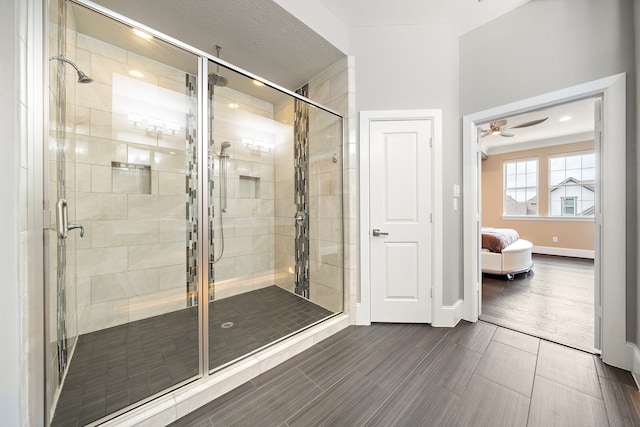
[
  {"x": 363, "y": 307},
  {"x": 635, "y": 367},
  {"x": 575, "y": 253},
  {"x": 612, "y": 91},
  {"x": 177, "y": 404},
  {"x": 540, "y": 143},
  {"x": 549, "y": 218},
  {"x": 450, "y": 315}
]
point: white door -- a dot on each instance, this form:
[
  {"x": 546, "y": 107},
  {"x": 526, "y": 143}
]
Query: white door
[{"x": 400, "y": 217}]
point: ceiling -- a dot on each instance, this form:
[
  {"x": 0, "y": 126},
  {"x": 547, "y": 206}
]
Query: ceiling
[
  {"x": 256, "y": 35},
  {"x": 463, "y": 15},
  {"x": 262, "y": 37},
  {"x": 566, "y": 123}
]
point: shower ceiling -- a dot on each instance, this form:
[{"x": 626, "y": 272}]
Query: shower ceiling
[{"x": 257, "y": 35}]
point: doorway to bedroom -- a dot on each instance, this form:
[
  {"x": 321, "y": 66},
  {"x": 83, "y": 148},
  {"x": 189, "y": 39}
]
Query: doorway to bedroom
[{"x": 539, "y": 188}]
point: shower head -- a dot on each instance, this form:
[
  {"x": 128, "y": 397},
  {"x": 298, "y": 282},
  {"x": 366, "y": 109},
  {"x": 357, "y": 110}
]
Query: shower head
[
  {"x": 223, "y": 149},
  {"x": 216, "y": 78},
  {"x": 82, "y": 76}
]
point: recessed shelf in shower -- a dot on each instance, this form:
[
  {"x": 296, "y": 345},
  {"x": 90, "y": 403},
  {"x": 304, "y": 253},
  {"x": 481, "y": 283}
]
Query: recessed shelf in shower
[
  {"x": 130, "y": 178},
  {"x": 249, "y": 187}
]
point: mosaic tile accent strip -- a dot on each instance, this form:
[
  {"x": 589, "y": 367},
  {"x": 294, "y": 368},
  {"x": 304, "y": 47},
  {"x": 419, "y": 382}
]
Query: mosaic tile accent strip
[
  {"x": 301, "y": 196},
  {"x": 192, "y": 191}
]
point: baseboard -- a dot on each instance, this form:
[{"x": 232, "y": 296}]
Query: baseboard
[
  {"x": 448, "y": 316},
  {"x": 635, "y": 365},
  {"x": 575, "y": 253}
]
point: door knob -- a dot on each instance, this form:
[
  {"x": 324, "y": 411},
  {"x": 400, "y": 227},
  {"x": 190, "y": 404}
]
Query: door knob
[{"x": 376, "y": 232}]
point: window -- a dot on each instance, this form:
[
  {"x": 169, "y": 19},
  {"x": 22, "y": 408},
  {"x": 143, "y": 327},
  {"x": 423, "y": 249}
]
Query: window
[
  {"x": 572, "y": 184},
  {"x": 521, "y": 187},
  {"x": 569, "y": 205}
]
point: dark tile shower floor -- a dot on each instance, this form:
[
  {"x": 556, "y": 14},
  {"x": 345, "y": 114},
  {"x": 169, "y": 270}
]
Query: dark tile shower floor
[{"x": 115, "y": 367}]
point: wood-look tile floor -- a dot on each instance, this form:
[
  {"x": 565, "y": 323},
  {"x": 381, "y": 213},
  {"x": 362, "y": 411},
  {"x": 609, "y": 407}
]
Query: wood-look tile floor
[
  {"x": 476, "y": 374},
  {"x": 555, "y": 301},
  {"x": 119, "y": 366}
]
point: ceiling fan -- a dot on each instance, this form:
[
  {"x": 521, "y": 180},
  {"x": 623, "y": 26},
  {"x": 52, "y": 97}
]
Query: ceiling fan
[{"x": 499, "y": 126}]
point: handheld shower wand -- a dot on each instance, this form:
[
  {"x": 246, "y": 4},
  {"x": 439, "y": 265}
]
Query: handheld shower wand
[{"x": 223, "y": 156}]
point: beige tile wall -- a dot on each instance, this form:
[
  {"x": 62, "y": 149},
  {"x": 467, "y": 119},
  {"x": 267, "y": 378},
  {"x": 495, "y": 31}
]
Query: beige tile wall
[
  {"x": 248, "y": 260},
  {"x": 131, "y": 262},
  {"x": 326, "y": 227}
]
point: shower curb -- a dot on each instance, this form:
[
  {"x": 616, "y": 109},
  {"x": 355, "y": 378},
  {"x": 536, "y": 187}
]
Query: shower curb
[{"x": 174, "y": 405}]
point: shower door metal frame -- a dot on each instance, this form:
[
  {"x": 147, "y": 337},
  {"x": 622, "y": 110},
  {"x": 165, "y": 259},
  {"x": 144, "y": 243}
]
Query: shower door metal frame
[{"x": 202, "y": 142}]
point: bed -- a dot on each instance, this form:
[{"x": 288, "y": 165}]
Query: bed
[{"x": 505, "y": 253}]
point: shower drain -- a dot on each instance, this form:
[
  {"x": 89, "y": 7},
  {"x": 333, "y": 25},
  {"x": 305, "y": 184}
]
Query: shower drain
[{"x": 227, "y": 325}]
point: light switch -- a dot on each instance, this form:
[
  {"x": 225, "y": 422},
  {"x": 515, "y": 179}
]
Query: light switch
[
  {"x": 455, "y": 203},
  {"x": 456, "y": 190}
]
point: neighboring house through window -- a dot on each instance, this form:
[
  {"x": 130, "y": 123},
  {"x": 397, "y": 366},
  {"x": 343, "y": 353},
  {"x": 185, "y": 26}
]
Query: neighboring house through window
[
  {"x": 521, "y": 187},
  {"x": 571, "y": 185}
]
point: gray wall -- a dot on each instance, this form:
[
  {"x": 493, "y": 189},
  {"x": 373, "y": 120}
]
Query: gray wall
[
  {"x": 548, "y": 45},
  {"x": 633, "y": 291},
  {"x": 416, "y": 67}
]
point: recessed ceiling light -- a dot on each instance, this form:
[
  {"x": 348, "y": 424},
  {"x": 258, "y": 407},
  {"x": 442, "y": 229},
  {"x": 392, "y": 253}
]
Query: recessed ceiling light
[
  {"x": 258, "y": 83},
  {"x": 233, "y": 105},
  {"x": 142, "y": 34},
  {"x": 136, "y": 74},
  {"x": 565, "y": 118}
]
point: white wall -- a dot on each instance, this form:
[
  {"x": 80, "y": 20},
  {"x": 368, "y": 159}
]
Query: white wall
[
  {"x": 9, "y": 217},
  {"x": 320, "y": 19},
  {"x": 416, "y": 67},
  {"x": 544, "y": 46}
]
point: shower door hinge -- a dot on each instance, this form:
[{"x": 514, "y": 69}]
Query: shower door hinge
[{"x": 46, "y": 219}]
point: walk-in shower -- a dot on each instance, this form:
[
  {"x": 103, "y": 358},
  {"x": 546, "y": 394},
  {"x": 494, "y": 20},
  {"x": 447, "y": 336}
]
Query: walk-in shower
[{"x": 189, "y": 181}]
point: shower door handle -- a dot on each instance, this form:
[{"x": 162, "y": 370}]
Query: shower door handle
[
  {"x": 62, "y": 221},
  {"x": 376, "y": 233}
]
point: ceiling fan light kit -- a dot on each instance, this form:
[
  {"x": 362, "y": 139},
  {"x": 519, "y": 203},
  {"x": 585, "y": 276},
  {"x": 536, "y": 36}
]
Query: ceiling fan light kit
[{"x": 498, "y": 127}]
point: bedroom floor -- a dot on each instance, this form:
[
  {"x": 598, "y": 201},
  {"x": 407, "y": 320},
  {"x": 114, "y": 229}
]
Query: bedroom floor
[{"x": 554, "y": 301}]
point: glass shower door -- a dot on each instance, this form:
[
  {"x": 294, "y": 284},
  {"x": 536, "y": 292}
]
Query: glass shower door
[{"x": 123, "y": 199}]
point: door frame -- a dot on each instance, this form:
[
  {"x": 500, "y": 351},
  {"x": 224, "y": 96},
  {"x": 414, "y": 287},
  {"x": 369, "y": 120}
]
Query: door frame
[
  {"x": 612, "y": 90},
  {"x": 441, "y": 316}
]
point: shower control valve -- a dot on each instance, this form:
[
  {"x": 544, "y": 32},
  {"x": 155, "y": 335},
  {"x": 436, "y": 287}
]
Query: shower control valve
[{"x": 300, "y": 217}]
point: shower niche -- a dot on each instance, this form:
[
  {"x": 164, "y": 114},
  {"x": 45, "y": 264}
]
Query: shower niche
[
  {"x": 174, "y": 218},
  {"x": 248, "y": 187}
]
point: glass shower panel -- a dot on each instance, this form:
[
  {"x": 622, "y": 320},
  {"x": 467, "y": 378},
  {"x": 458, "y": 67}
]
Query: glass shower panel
[
  {"x": 276, "y": 177},
  {"x": 123, "y": 158}
]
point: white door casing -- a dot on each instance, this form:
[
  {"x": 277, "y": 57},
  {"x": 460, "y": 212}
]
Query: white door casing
[
  {"x": 368, "y": 119},
  {"x": 612, "y": 229},
  {"x": 400, "y": 208}
]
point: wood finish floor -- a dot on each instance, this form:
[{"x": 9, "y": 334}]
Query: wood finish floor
[
  {"x": 554, "y": 301},
  {"x": 475, "y": 374}
]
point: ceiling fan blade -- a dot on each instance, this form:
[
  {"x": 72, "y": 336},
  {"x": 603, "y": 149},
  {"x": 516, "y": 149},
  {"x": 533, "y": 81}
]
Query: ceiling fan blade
[
  {"x": 499, "y": 123},
  {"x": 527, "y": 124},
  {"x": 485, "y": 133},
  {"x": 507, "y": 134}
]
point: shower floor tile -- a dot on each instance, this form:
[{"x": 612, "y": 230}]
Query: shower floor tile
[{"x": 116, "y": 367}]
